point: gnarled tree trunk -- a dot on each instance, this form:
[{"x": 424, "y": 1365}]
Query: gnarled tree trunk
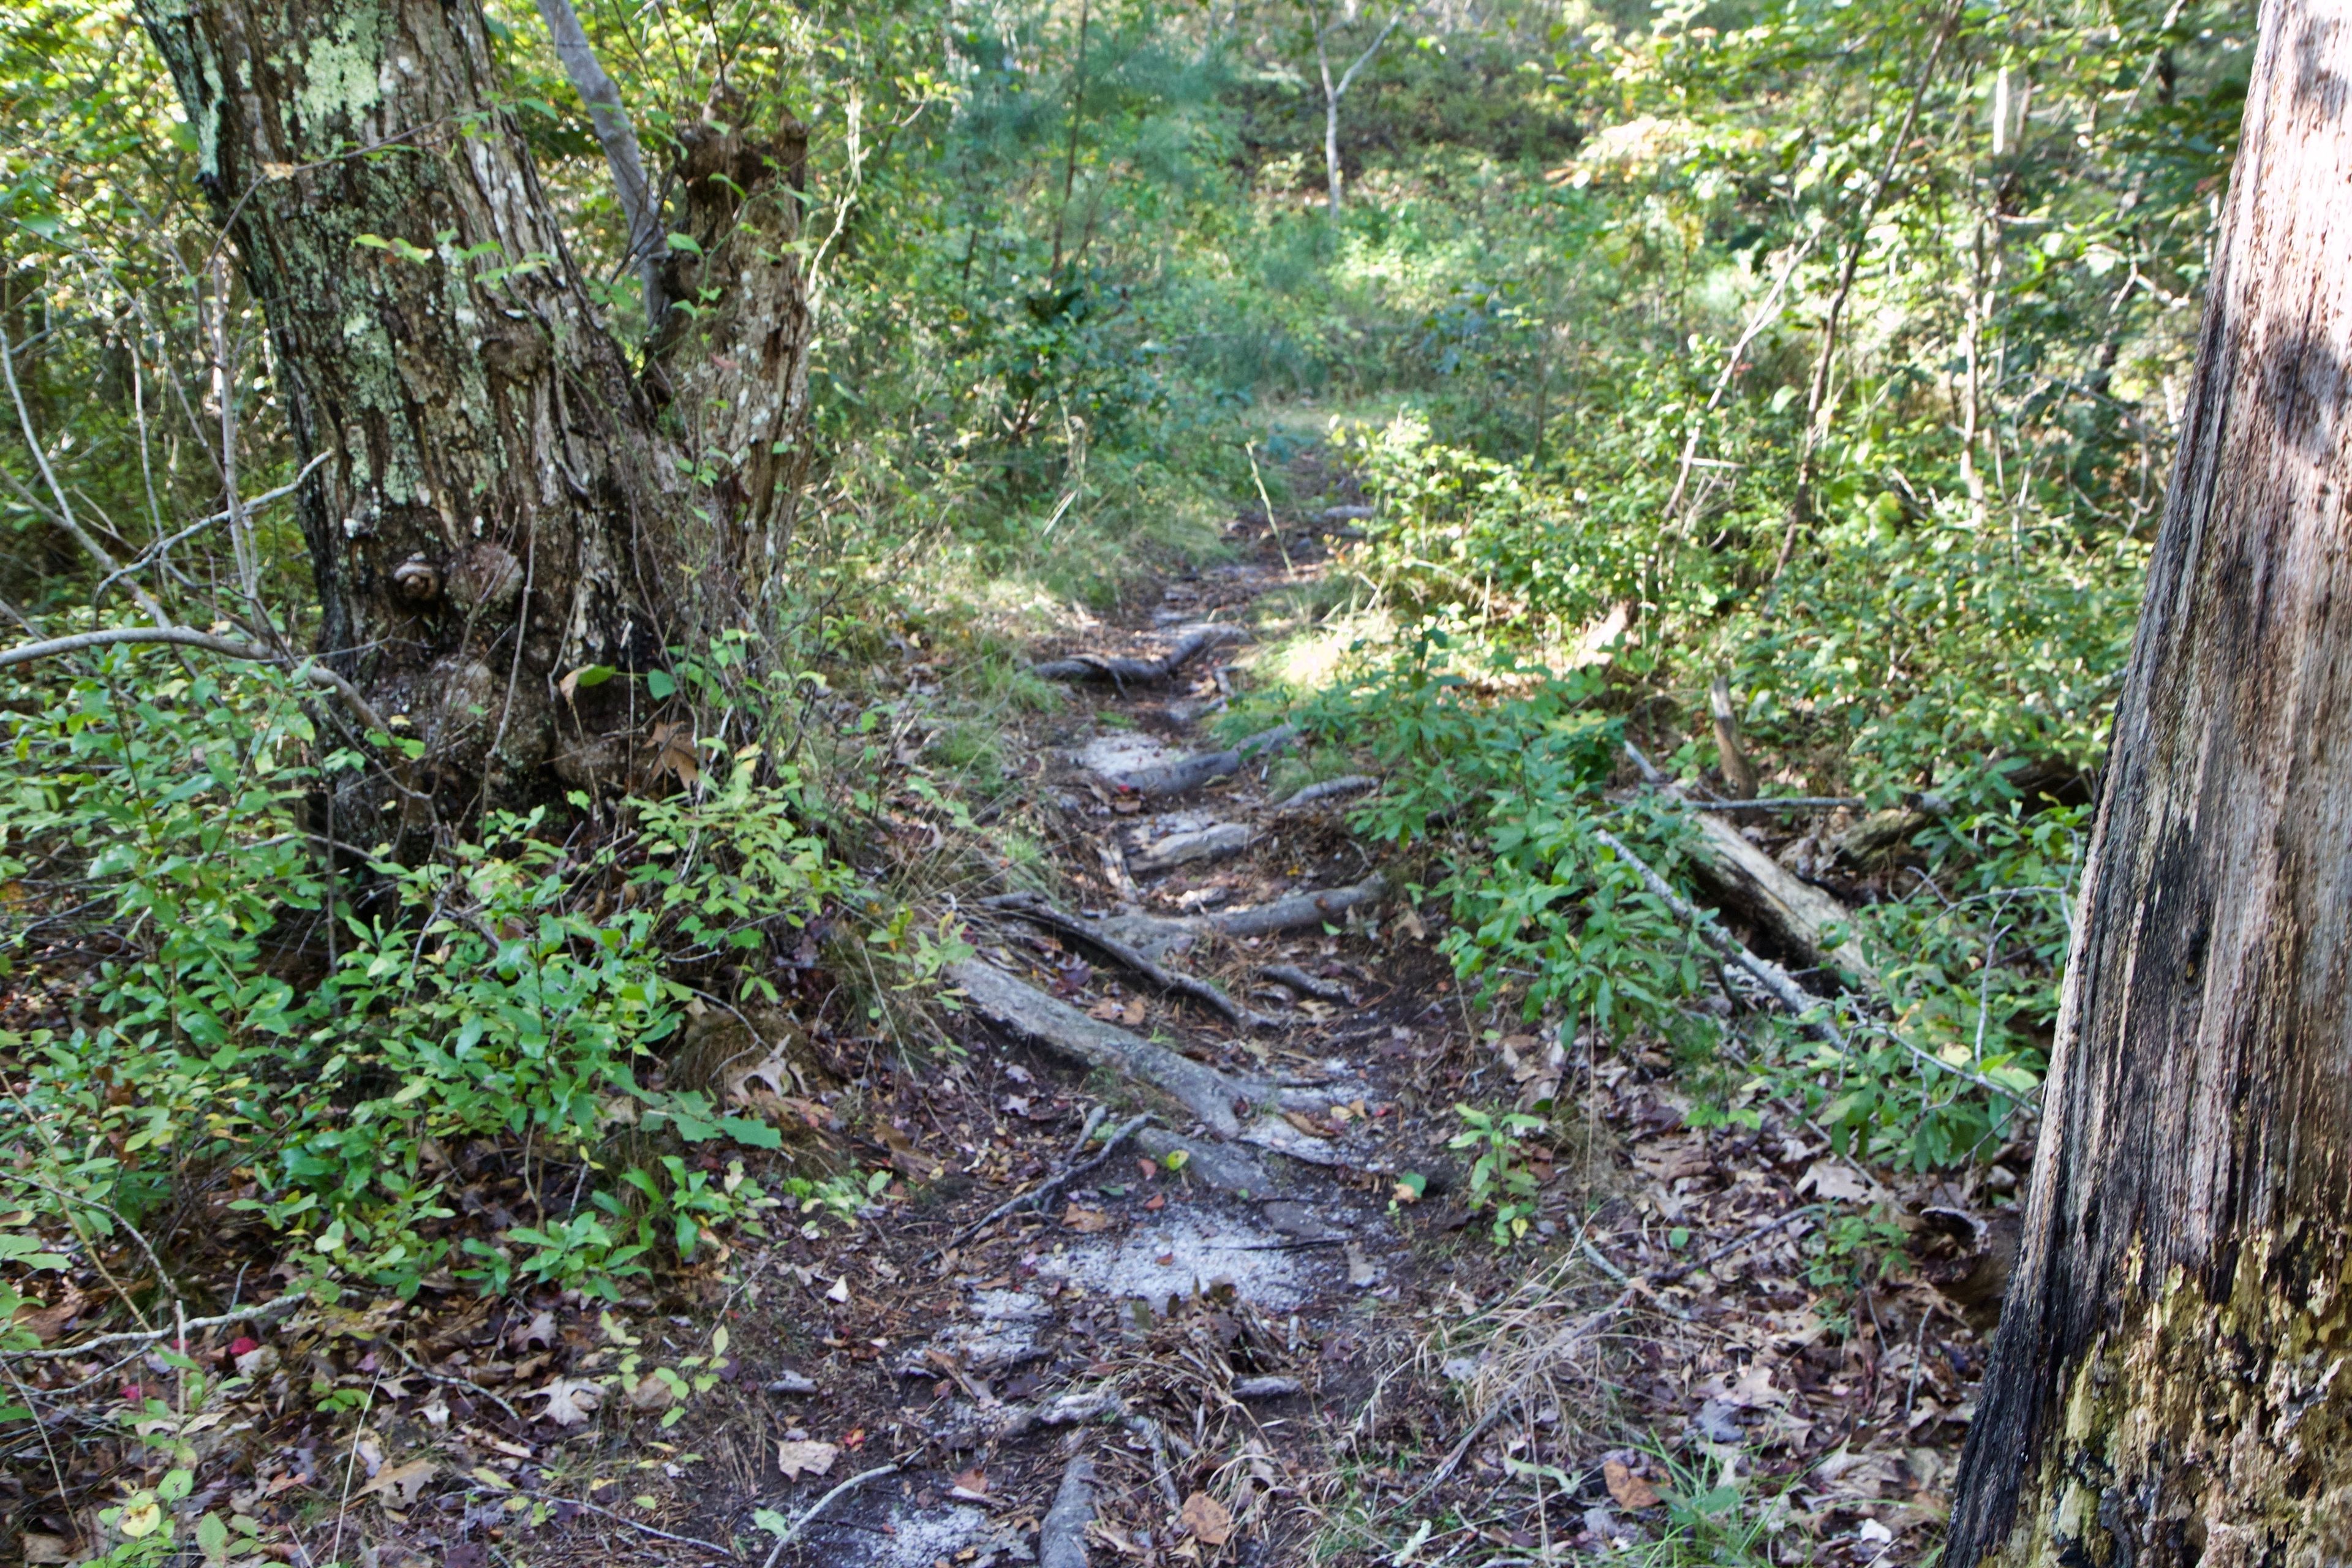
[
  {"x": 505, "y": 498},
  {"x": 2169, "y": 1385}
]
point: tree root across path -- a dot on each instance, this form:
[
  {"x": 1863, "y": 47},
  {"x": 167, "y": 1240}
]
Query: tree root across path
[
  {"x": 1208, "y": 1093},
  {"x": 1029, "y": 907},
  {"x": 1124, "y": 671},
  {"x": 1157, "y": 936},
  {"x": 1204, "y": 767}
]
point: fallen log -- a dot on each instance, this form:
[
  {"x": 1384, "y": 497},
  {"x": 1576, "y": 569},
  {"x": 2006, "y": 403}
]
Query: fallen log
[
  {"x": 1798, "y": 914},
  {"x": 1123, "y": 670}
]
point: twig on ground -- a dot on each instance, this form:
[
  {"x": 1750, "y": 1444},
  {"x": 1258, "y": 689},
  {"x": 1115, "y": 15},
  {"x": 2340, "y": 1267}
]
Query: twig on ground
[
  {"x": 143, "y": 1336},
  {"x": 1045, "y": 1189},
  {"x": 818, "y": 1507},
  {"x": 1029, "y": 907},
  {"x": 638, "y": 1525},
  {"x": 466, "y": 1384},
  {"x": 1566, "y": 1339}
]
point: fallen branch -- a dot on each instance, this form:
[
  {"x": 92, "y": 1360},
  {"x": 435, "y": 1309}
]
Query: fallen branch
[
  {"x": 1780, "y": 803},
  {"x": 1806, "y": 1006},
  {"x": 1029, "y": 907},
  {"x": 182, "y": 636},
  {"x": 637, "y": 1525},
  {"x": 1795, "y": 911},
  {"x": 1043, "y": 1191},
  {"x": 1124, "y": 671},
  {"x": 1330, "y": 789},
  {"x": 818, "y": 1507},
  {"x": 260, "y": 1314}
]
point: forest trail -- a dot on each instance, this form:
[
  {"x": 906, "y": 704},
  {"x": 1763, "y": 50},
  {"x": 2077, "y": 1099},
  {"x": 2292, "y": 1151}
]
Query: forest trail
[{"x": 1238, "y": 1331}]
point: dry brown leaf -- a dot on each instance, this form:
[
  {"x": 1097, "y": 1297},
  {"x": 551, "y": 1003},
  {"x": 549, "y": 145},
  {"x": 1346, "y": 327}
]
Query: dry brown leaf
[
  {"x": 46, "y": 1548},
  {"x": 1132, "y": 1014},
  {"x": 972, "y": 1486},
  {"x": 569, "y": 1401},
  {"x": 1632, "y": 1492},
  {"x": 797, "y": 1460},
  {"x": 539, "y": 1331},
  {"x": 1307, "y": 1124},
  {"x": 651, "y": 1392},
  {"x": 1206, "y": 1518},
  {"x": 47, "y": 1322},
  {"x": 404, "y": 1482},
  {"x": 1086, "y": 1220}
]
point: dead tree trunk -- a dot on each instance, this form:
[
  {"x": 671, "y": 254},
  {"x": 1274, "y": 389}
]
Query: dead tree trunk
[
  {"x": 2167, "y": 1386},
  {"x": 505, "y": 498}
]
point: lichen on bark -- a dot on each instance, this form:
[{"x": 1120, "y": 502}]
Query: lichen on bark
[{"x": 502, "y": 501}]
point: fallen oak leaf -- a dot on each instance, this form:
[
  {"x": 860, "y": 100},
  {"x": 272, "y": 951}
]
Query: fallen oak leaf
[
  {"x": 1632, "y": 1492},
  {"x": 570, "y": 1400},
  {"x": 407, "y": 1481},
  {"x": 1206, "y": 1520},
  {"x": 797, "y": 1460},
  {"x": 539, "y": 1331}
]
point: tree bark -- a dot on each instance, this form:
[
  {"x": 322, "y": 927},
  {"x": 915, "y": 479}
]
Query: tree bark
[
  {"x": 2167, "y": 1387},
  {"x": 504, "y": 500}
]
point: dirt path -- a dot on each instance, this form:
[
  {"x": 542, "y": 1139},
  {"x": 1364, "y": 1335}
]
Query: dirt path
[{"x": 1231, "y": 1337}]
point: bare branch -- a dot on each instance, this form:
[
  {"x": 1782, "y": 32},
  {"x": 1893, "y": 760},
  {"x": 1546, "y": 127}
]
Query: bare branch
[
  {"x": 611, "y": 118},
  {"x": 182, "y": 636}
]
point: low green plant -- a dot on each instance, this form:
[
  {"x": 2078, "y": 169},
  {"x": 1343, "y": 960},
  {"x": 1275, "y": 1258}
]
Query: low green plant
[
  {"x": 1499, "y": 1178},
  {"x": 504, "y": 995}
]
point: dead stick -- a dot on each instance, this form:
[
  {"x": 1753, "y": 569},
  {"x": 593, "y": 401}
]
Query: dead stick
[
  {"x": 1031, "y": 909},
  {"x": 1046, "y": 1189},
  {"x": 789, "y": 1536}
]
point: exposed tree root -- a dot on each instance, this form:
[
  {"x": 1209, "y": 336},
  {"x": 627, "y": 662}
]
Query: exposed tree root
[
  {"x": 1159, "y": 935},
  {"x": 1123, "y": 671},
  {"x": 1203, "y": 767},
  {"x": 1029, "y": 907},
  {"x": 1330, "y": 789}
]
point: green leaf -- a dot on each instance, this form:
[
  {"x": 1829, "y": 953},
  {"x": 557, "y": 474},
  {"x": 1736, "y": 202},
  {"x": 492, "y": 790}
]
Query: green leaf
[{"x": 658, "y": 682}]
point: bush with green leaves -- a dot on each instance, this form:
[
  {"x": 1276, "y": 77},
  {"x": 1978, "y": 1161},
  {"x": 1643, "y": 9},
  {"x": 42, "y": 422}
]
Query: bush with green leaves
[{"x": 230, "y": 1028}]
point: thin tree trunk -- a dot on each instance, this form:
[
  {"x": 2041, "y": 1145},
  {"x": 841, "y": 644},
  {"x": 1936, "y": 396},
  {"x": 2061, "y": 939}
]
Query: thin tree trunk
[
  {"x": 502, "y": 502},
  {"x": 2167, "y": 1387}
]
